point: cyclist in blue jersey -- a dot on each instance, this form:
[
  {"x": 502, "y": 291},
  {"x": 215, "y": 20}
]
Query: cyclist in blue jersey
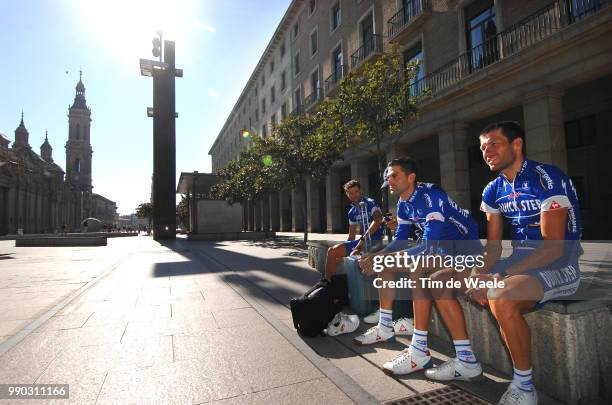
[
  {"x": 539, "y": 202},
  {"x": 353, "y": 246},
  {"x": 447, "y": 230}
]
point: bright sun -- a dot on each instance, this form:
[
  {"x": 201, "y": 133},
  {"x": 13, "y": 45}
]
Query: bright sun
[{"x": 125, "y": 27}]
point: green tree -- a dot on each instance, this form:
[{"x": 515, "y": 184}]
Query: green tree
[
  {"x": 247, "y": 178},
  {"x": 374, "y": 101},
  {"x": 306, "y": 146},
  {"x": 182, "y": 211},
  {"x": 145, "y": 210}
]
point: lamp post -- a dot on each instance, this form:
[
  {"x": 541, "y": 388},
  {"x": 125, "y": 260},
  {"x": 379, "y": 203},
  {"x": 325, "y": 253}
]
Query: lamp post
[{"x": 164, "y": 136}]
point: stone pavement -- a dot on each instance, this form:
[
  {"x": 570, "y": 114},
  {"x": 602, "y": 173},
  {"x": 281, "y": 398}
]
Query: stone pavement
[{"x": 183, "y": 322}]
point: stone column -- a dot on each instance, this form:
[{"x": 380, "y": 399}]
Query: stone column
[
  {"x": 257, "y": 215},
  {"x": 245, "y": 217},
  {"x": 297, "y": 205},
  {"x": 265, "y": 212},
  {"x": 12, "y": 209},
  {"x": 333, "y": 190},
  {"x": 274, "y": 212},
  {"x": 285, "y": 210},
  {"x": 312, "y": 205},
  {"x": 251, "y": 221},
  {"x": 544, "y": 127},
  {"x": 359, "y": 172},
  {"x": 454, "y": 170}
]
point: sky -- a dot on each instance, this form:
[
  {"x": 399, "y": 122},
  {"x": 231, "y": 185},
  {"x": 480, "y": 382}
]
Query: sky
[{"x": 46, "y": 42}]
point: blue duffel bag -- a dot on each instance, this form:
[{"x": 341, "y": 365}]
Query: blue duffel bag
[{"x": 363, "y": 296}]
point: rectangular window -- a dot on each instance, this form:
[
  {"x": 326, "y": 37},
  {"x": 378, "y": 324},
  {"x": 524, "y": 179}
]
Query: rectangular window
[
  {"x": 296, "y": 30},
  {"x": 336, "y": 16},
  {"x": 581, "y": 132},
  {"x": 255, "y": 91},
  {"x": 271, "y": 66},
  {"x": 283, "y": 111},
  {"x": 273, "y": 121},
  {"x": 314, "y": 82},
  {"x": 296, "y": 64},
  {"x": 283, "y": 80},
  {"x": 481, "y": 31},
  {"x": 312, "y": 5},
  {"x": 272, "y": 95},
  {"x": 264, "y": 130},
  {"x": 263, "y": 106},
  {"x": 338, "y": 61},
  {"x": 263, "y": 79},
  {"x": 298, "y": 97},
  {"x": 256, "y": 114},
  {"x": 313, "y": 42},
  {"x": 415, "y": 54},
  {"x": 282, "y": 49}
]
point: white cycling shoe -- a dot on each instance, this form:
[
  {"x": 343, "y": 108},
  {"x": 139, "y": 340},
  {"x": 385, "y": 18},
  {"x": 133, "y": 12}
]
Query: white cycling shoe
[
  {"x": 407, "y": 363},
  {"x": 373, "y": 317},
  {"x": 454, "y": 369},
  {"x": 403, "y": 326},
  {"x": 342, "y": 323},
  {"x": 374, "y": 335},
  {"x": 516, "y": 396}
]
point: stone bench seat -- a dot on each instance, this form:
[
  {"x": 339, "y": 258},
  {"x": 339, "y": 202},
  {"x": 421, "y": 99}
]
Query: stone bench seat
[{"x": 571, "y": 341}]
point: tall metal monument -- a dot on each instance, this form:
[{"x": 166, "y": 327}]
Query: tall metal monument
[{"x": 164, "y": 136}]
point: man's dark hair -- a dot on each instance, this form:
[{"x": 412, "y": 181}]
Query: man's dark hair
[
  {"x": 407, "y": 164},
  {"x": 510, "y": 129},
  {"x": 351, "y": 183}
]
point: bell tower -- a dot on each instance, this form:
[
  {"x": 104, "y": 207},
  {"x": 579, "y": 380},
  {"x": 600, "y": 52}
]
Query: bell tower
[{"x": 78, "y": 147}]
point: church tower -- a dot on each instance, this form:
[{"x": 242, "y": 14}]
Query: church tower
[
  {"x": 78, "y": 147},
  {"x": 46, "y": 151}
]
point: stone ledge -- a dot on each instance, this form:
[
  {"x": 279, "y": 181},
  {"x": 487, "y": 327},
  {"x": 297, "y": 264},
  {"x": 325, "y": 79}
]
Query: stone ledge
[
  {"x": 220, "y": 236},
  {"x": 42, "y": 241}
]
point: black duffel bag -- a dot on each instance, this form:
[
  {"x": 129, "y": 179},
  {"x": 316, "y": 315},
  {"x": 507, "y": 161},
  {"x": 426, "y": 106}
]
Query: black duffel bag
[{"x": 315, "y": 309}]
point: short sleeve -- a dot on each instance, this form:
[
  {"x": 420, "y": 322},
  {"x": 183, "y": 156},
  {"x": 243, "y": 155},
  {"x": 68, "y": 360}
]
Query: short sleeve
[
  {"x": 554, "y": 188},
  {"x": 352, "y": 216},
  {"x": 489, "y": 197}
]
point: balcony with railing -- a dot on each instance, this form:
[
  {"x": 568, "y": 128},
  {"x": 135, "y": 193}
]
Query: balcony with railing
[
  {"x": 407, "y": 19},
  {"x": 520, "y": 36},
  {"x": 332, "y": 81},
  {"x": 313, "y": 98},
  {"x": 371, "y": 47}
]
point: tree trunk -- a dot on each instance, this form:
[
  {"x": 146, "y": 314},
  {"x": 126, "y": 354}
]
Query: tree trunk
[{"x": 305, "y": 211}]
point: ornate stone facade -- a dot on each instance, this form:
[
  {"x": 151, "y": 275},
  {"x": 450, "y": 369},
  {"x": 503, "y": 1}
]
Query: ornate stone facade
[{"x": 36, "y": 195}]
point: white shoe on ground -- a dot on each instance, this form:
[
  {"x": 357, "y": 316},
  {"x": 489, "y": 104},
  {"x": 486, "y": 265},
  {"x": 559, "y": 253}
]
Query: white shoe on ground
[
  {"x": 373, "y": 317},
  {"x": 342, "y": 323},
  {"x": 403, "y": 326},
  {"x": 407, "y": 363},
  {"x": 454, "y": 369},
  {"x": 374, "y": 335},
  {"x": 516, "y": 396}
]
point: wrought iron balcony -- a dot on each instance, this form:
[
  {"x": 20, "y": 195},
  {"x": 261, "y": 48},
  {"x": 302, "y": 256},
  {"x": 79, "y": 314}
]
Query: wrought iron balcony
[
  {"x": 372, "y": 46},
  {"x": 522, "y": 35},
  {"x": 406, "y": 16},
  {"x": 334, "y": 79},
  {"x": 313, "y": 98}
]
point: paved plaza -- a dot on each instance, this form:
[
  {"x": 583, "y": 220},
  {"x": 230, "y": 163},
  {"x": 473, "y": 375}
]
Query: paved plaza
[{"x": 187, "y": 323}]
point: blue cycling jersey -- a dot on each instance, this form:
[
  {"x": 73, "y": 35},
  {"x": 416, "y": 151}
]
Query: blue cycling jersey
[
  {"x": 354, "y": 216},
  {"x": 536, "y": 188},
  {"x": 435, "y": 214}
]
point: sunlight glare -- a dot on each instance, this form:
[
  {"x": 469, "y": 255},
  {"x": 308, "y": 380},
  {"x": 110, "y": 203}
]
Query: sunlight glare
[{"x": 125, "y": 28}]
